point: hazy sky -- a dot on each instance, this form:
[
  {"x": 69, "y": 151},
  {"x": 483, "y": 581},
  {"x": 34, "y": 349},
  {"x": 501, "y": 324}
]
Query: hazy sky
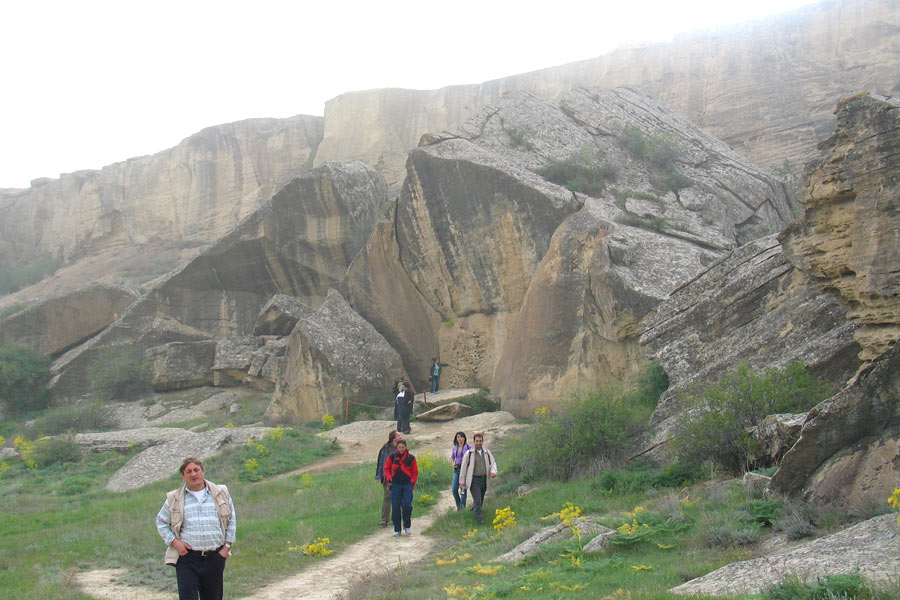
[{"x": 89, "y": 83}]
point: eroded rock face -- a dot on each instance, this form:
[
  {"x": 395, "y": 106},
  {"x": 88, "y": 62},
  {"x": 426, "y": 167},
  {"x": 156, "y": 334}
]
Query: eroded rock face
[
  {"x": 334, "y": 355},
  {"x": 847, "y": 238},
  {"x": 766, "y": 87},
  {"x": 519, "y": 283},
  {"x": 848, "y": 454},
  {"x": 180, "y": 365},
  {"x": 299, "y": 243},
  {"x": 752, "y": 307},
  {"x": 197, "y": 191},
  {"x": 55, "y": 325}
]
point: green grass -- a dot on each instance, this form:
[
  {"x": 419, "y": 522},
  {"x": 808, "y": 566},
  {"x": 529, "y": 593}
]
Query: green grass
[{"x": 58, "y": 520}]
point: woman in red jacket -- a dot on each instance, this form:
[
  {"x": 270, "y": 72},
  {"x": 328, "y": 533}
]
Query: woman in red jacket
[{"x": 401, "y": 473}]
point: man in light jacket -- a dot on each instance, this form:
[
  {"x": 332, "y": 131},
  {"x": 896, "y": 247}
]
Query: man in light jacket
[
  {"x": 477, "y": 464},
  {"x": 198, "y": 524}
]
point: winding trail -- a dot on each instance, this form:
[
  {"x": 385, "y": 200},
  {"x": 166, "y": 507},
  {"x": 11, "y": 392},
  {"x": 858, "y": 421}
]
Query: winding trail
[{"x": 371, "y": 556}]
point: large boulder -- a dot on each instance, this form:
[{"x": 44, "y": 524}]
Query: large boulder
[
  {"x": 847, "y": 454},
  {"x": 279, "y": 315},
  {"x": 334, "y": 356},
  {"x": 752, "y": 307},
  {"x": 494, "y": 268},
  {"x": 60, "y": 323},
  {"x": 298, "y": 243},
  {"x": 180, "y": 365}
]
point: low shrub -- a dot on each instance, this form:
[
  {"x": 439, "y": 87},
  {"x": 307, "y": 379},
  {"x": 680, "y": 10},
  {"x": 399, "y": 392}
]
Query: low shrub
[
  {"x": 831, "y": 587},
  {"x": 480, "y": 402},
  {"x": 760, "y": 512},
  {"x": 12, "y": 309},
  {"x": 75, "y": 485},
  {"x": 16, "y": 277},
  {"x": 54, "y": 450},
  {"x": 24, "y": 375},
  {"x": 119, "y": 373},
  {"x": 659, "y": 150},
  {"x": 581, "y": 172},
  {"x": 92, "y": 416},
  {"x": 715, "y": 426},
  {"x": 641, "y": 478}
]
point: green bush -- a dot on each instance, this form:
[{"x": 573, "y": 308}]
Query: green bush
[
  {"x": 93, "y": 416},
  {"x": 715, "y": 425},
  {"x": 581, "y": 172},
  {"x": 75, "y": 485},
  {"x": 760, "y": 512},
  {"x": 832, "y": 587},
  {"x": 660, "y": 151},
  {"x": 17, "y": 277},
  {"x": 12, "y": 309},
  {"x": 480, "y": 402},
  {"x": 642, "y": 477},
  {"x": 24, "y": 375},
  {"x": 59, "y": 449},
  {"x": 119, "y": 373}
]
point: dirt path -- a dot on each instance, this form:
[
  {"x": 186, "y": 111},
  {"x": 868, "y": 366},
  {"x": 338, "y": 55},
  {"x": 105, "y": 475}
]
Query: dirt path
[{"x": 377, "y": 553}]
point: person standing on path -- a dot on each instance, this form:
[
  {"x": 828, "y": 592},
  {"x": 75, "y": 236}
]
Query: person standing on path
[
  {"x": 460, "y": 447},
  {"x": 477, "y": 463},
  {"x": 198, "y": 524},
  {"x": 389, "y": 448},
  {"x": 435, "y": 376},
  {"x": 405, "y": 400},
  {"x": 401, "y": 472}
]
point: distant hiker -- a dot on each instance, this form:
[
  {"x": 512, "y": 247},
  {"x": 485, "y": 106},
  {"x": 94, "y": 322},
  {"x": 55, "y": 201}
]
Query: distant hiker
[
  {"x": 405, "y": 400},
  {"x": 401, "y": 473},
  {"x": 435, "y": 376},
  {"x": 198, "y": 524},
  {"x": 386, "y": 450},
  {"x": 460, "y": 447},
  {"x": 395, "y": 389},
  {"x": 477, "y": 463}
]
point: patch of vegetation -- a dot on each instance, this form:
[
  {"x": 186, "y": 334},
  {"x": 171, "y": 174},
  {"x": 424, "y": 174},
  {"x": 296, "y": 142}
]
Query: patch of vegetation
[
  {"x": 518, "y": 136},
  {"x": 11, "y": 309},
  {"x": 280, "y": 450},
  {"x": 661, "y": 153},
  {"x": 671, "y": 180},
  {"x": 592, "y": 432},
  {"x": 89, "y": 416},
  {"x": 56, "y": 450},
  {"x": 641, "y": 477},
  {"x": 119, "y": 373},
  {"x": 582, "y": 172},
  {"x": 833, "y": 587},
  {"x": 24, "y": 375},
  {"x": 624, "y": 194},
  {"x": 480, "y": 402},
  {"x": 14, "y": 278},
  {"x": 715, "y": 426}
]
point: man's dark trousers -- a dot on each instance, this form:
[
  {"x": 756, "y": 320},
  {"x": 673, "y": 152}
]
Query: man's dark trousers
[
  {"x": 401, "y": 505},
  {"x": 203, "y": 574},
  {"x": 479, "y": 487}
]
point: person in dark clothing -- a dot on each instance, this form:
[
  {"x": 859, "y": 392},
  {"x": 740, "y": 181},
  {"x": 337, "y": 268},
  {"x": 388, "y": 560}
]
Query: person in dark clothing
[
  {"x": 401, "y": 472},
  {"x": 386, "y": 450},
  {"x": 405, "y": 401}
]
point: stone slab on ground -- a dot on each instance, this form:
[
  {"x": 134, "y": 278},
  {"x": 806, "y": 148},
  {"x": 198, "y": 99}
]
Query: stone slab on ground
[
  {"x": 555, "y": 533},
  {"x": 162, "y": 461},
  {"x": 870, "y": 548},
  {"x": 126, "y": 440}
]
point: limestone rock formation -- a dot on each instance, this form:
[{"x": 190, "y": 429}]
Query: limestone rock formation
[
  {"x": 766, "y": 87},
  {"x": 870, "y": 548},
  {"x": 334, "y": 356},
  {"x": 587, "y": 526},
  {"x": 194, "y": 192},
  {"x": 848, "y": 454},
  {"x": 279, "y": 315},
  {"x": 179, "y": 365},
  {"x": 58, "y": 324},
  {"x": 298, "y": 243},
  {"x": 847, "y": 237},
  {"x": 518, "y": 282},
  {"x": 445, "y": 412},
  {"x": 751, "y": 307}
]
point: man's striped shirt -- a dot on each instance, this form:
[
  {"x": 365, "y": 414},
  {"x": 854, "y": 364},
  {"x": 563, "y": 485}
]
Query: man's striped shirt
[{"x": 201, "y": 528}]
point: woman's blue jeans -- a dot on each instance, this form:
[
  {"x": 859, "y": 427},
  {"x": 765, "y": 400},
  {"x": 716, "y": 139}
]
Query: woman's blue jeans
[{"x": 460, "y": 498}]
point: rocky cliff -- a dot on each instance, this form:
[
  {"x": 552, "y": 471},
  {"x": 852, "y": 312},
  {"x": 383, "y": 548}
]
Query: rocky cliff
[
  {"x": 520, "y": 283},
  {"x": 765, "y": 87},
  {"x": 193, "y": 193}
]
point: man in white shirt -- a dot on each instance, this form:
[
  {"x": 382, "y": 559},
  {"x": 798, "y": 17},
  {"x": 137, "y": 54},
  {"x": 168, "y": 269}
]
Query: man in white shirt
[
  {"x": 198, "y": 524},
  {"x": 477, "y": 464}
]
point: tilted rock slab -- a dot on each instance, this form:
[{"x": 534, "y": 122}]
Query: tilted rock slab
[
  {"x": 333, "y": 356},
  {"x": 162, "y": 461},
  {"x": 848, "y": 454},
  {"x": 445, "y": 412},
  {"x": 55, "y": 325},
  {"x": 519, "y": 283},
  {"x": 751, "y": 307},
  {"x": 847, "y": 236},
  {"x": 298, "y": 243},
  {"x": 870, "y": 548},
  {"x": 126, "y": 440},
  {"x": 588, "y": 529}
]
